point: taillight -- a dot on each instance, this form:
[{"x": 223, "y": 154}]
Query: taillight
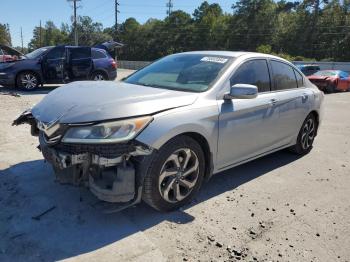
[{"x": 113, "y": 64}]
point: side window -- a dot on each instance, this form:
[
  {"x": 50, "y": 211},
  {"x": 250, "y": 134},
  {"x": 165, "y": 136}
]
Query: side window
[
  {"x": 1, "y": 53},
  {"x": 299, "y": 78},
  {"x": 80, "y": 53},
  {"x": 56, "y": 53},
  {"x": 97, "y": 54},
  {"x": 283, "y": 76},
  {"x": 254, "y": 72}
]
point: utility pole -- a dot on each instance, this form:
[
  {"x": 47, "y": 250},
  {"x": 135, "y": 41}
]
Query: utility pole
[
  {"x": 22, "y": 39},
  {"x": 169, "y": 5},
  {"x": 76, "y": 42},
  {"x": 40, "y": 34},
  {"x": 116, "y": 16}
]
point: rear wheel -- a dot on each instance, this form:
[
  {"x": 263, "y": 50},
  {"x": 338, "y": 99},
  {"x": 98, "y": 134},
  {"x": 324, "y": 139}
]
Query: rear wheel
[
  {"x": 175, "y": 175},
  {"x": 27, "y": 81},
  {"x": 306, "y": 136},
  {"x": 99, "y": 76}
]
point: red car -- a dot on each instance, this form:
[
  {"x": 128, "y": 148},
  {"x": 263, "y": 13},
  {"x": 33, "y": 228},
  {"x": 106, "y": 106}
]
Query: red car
[
  {"x": 331, "y": 81},
  {"x": 8, "y": 54}
]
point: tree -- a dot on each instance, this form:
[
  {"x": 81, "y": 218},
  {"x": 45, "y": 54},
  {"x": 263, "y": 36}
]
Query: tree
[{"x": 5, "y": 36}]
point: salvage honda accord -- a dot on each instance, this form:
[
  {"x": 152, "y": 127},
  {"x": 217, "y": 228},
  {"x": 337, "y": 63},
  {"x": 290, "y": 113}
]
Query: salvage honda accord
[{"x": 165, "y": 129}]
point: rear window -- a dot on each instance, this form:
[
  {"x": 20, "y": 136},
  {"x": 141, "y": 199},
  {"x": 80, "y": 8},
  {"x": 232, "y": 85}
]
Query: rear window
[
  {"x": 80, "y": 53},
  {"x": 96, "y": 54}
]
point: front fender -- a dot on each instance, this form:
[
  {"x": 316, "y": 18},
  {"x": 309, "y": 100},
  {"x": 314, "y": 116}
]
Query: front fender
[{"x": 165, "y": 126}]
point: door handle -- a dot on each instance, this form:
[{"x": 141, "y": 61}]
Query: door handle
[{"x": 273, "y": 101}]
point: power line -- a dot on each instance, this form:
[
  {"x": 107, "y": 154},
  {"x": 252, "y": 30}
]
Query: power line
[
  {"x": 116, "y": 15},
  {"x": 40, "y": 34},
  {"x": 22, "y": 39},
  {"x": 76, "y": 42},
  {"x": 170, "y": 6}
]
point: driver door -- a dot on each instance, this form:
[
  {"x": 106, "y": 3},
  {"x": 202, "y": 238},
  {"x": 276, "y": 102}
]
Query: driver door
[
  {"x": 246, "y": 126},
  {"x": 53, "y": 65}
]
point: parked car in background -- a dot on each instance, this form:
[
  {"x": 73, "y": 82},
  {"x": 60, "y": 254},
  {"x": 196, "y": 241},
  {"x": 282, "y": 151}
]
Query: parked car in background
[
  {"x": 331, "y": 81},
  {"x": 8, "y": 54},
  {"x": 168, "y": 127},
  {"x": 309, "y": 69},
  {"x": 58, "y": 64}
]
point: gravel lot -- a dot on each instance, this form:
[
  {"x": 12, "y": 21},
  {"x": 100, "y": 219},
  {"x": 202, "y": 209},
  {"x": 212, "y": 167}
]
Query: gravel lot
[{"x": 278, "y": 208}]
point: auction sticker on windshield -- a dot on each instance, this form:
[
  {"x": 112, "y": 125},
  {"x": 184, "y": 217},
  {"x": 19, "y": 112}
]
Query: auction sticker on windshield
[{"x": 212, "y": 59}]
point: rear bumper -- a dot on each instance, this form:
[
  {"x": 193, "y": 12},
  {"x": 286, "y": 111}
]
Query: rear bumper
[{"x": 112, "y": 75}]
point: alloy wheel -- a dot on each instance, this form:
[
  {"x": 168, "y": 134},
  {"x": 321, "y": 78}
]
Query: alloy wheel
[
  {"x": 308, "y": 134},
  {"x": 29, "y": 81},
  {"x": 99, "y": 77},
  {"x": 179, "y": 175}
]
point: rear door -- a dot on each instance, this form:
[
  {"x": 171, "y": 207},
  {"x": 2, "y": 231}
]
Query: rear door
[
  {"x": 80, "y": 63},
  {"x": 53, "y": 64},
  {"x": 246, "y": 126},
  {"x": 293, "y": 100}
]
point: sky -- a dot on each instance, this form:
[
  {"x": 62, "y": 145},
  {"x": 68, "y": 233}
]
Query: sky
[{"x": 27, "y": 14}]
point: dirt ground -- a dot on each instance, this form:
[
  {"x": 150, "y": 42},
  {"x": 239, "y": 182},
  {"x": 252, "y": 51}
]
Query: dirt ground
[{"x": 278, "y": 208}]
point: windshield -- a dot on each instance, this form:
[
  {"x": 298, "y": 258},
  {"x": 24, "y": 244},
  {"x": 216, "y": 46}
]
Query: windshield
[
  {"x": 183, "y": 72},
  {"x": 38, "y": 52},
  {"x": 326, "y": 73}
]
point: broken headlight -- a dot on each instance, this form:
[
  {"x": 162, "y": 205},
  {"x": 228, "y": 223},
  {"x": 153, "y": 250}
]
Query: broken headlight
[{"x": 108, "y": 132}]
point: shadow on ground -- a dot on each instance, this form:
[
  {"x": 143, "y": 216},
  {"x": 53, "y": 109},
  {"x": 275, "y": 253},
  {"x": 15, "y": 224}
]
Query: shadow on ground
[
  {"x": 40, "y": 91},
  {"x": 75, "y": 226}
]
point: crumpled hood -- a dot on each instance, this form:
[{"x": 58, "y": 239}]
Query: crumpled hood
[{"x": 90, "y": 101}]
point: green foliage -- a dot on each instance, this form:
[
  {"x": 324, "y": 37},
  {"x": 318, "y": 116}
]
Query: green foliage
[
  {"x": 266, "y": 49},
  {"x": 5, "y": 37},
  {"x": 295, "y": 30}
]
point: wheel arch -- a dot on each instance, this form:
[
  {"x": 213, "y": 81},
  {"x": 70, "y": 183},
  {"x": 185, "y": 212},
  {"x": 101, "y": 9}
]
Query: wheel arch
[
  {"x": 208, "y": 155},
  {"x": 317, "y": 118}
]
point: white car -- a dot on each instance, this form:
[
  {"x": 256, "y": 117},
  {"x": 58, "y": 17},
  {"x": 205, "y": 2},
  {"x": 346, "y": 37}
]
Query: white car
[{"x": 168, "y": 127}]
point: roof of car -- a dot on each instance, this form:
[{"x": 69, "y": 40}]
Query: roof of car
[
  {"x": 220, "y": 53},
  {"x": 234, "y": 54}
]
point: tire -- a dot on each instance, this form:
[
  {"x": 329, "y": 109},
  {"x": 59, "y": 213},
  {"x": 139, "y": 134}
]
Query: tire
[
  {"x": 99, "y": 76},
  {"x": 166, "y": 185},
  {"x": 330, "y": 89},
  {"x": 306, "y": 136},
  {"x": 28, "y": 81}
]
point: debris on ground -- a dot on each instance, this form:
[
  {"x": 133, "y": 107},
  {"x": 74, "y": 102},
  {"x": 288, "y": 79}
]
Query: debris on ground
[{"x": 10, "y": 94}]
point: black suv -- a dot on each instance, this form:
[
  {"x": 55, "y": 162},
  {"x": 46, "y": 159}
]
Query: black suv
[{"x": 58, "y": 64}]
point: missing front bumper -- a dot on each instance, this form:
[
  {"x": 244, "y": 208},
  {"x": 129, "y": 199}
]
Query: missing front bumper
[{"x": 110, "y": 179}]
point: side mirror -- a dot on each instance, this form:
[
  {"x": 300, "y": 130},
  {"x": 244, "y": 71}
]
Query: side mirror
[{"x": 242, "y": 91}]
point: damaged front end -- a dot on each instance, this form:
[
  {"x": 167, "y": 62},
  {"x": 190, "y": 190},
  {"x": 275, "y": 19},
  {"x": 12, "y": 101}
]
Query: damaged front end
[{"x": 107, "y": 165}]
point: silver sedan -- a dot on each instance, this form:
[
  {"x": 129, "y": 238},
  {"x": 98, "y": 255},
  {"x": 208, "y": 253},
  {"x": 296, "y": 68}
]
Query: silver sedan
[{"x": 161, "y": 132}]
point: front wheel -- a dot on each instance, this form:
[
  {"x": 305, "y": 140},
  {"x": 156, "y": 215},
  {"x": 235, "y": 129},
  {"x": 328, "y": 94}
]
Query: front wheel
[
  {"x": 27, "y": 81},
  {"x": 306, "y": 136},
  {"x": 175, "y": 175}
]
